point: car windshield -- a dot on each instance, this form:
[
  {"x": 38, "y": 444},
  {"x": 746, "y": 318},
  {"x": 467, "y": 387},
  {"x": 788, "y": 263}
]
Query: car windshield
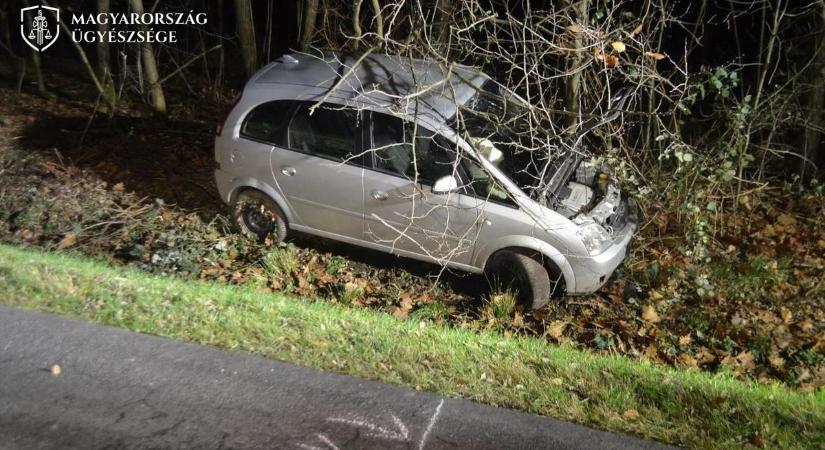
[{"x": 498, "y": 127}]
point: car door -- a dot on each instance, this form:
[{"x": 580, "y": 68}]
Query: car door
[
  {"x": 318, "y": 172},
  {"x": 402, "y": 213}
]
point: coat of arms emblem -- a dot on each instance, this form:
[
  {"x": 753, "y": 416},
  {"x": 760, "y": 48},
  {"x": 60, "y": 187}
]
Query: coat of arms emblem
[{"x": 39, "y": 26}]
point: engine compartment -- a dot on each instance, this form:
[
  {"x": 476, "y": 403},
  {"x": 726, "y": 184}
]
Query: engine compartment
[{"x": 580, "y": 192}]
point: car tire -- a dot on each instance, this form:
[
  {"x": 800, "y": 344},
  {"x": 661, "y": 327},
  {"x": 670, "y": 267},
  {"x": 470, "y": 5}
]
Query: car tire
[
  {"x": 258, "y": 217},
  {"x": 524, "y": 274}
]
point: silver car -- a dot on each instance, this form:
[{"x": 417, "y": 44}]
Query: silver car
[{"x": 399, "y": 155}]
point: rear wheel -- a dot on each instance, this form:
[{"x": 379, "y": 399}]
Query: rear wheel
[
  {"x": 258, "y": 217},
  {"x": 521, "y": 273}
]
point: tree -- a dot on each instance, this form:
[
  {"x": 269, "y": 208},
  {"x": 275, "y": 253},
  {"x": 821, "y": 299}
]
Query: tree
[
  {"x": 245, "y": 27},
  {"x": 308, "y": 23},
  {"x": 811, "y": 149},
  {"x": 572, "y": 87},
  {"x": 104, "y": 71},
  {"x": 150, "y": 68}
]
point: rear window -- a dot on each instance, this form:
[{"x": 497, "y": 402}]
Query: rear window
[
  {"x": 328, "y": 132},
  {"x": 268, "y": 122}
]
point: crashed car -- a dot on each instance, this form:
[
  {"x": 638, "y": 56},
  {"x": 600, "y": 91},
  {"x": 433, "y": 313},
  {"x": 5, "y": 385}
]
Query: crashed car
[{"x": 413, "y": 158}]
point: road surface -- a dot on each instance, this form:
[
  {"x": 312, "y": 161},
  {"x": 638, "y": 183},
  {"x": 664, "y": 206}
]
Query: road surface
[{"x": 120, "y": 389}]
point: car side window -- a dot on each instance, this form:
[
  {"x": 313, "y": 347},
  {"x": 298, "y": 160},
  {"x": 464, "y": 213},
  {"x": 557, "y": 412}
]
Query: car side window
[
  {"x": 481, "y": 184},
  {"x": 268, "y": 122},
  {"x": 329, "y": 132},
  {"x": 401, "y": 148}
]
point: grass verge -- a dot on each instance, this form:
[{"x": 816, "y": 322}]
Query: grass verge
[{"x": 688, "y": 408}]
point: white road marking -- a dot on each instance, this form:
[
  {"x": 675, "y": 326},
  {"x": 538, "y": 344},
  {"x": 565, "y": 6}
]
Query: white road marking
[
  {"x": 330, "y": 445},
  {"x": 403, "y": 434},
  {"x": 430, "y": 426}
]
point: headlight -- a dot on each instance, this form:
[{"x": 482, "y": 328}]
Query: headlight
[{"x": 596, "y": 239}]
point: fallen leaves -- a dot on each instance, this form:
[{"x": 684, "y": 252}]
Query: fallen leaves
[
  {"x": 786, "y": 220},
  {"x": 649, "y": 314},
  {"x": 631, "y": 414},
  {"x": 556, "y": 328},
  {"x": 69, "y": 240}
]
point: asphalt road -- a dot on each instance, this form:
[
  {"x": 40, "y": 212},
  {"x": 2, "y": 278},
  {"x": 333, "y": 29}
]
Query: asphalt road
[{"x": 119, "y": 389}]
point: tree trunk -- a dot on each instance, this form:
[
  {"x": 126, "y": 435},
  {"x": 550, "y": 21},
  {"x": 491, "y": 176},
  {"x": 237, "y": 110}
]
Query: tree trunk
[
  {"x": 811, "y": 148},
  {"x": 38, "y": 72},
  {"x": 308, "y": 23},
  {"x": 356, "y": 23},
  {"x": 572, "y": 88},
  {"x": 441, "y": 24},
  {"x": 19, "y": 64},
  {"x": 221, "y": 55},
  {"x": 245, "y": 27},
  {"x": 150, "y": 68},
  {"x": 379, "y": 21},
  {"x": 104, "y": 66},
  {"x": 35, "y": 57}
]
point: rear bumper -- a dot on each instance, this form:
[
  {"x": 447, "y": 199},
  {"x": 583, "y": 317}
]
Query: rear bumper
[
  {"x": 592, "y": 272},
  {"x": 224, "y": 182}
]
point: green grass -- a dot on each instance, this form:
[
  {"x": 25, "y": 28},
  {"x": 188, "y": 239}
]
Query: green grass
[{"x": 688, "y": 408}]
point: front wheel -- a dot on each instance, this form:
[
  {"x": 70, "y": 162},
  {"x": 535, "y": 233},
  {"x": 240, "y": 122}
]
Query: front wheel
[
  {"x": 523, "y": 274},
  {"x": 258, "y": 217}
]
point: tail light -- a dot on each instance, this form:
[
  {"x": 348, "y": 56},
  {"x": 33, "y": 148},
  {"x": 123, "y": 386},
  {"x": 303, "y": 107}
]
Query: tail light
[{"x": 226, "y": 112}]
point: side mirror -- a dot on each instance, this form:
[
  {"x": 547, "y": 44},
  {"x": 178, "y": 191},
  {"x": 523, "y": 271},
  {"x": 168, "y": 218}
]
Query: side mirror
[{"x": 445, "y": 185}]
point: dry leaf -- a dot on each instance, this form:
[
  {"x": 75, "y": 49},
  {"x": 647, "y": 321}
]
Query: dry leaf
[
  {"x": 787, "y": 315},
  {"x": 688, "y": 360},
  {"x": 556, "y": 329},
  {"x": 404, "y": 307},
  {"x": 758, "y": 441},
  {"x": 69, "y": 239},
  {"x": 649, "y": 314},
  {"x": 400, "y": 313},
  {"x": 575, "y": 28},
  {"x": 776, "y": 360},
  {"x": 746, "y": 360},
  {"x": 806, "y": 325},
  {"x": 55, "y": 369},
  {"x": 631, "y": 414},
  {"x": 786, "y": 220},
  {"x": 655, "y": 55},
  {"x": 618, "y": 46},
  {"x": 612, "y": 61}
]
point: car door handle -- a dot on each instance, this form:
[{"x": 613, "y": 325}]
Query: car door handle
[
  {"x": 379, "y": 195},
  {"x": 288, "y": 171}
]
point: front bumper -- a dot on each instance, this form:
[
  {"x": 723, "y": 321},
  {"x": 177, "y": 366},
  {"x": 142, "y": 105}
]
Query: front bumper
[{"x": 592, "y": 272}]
